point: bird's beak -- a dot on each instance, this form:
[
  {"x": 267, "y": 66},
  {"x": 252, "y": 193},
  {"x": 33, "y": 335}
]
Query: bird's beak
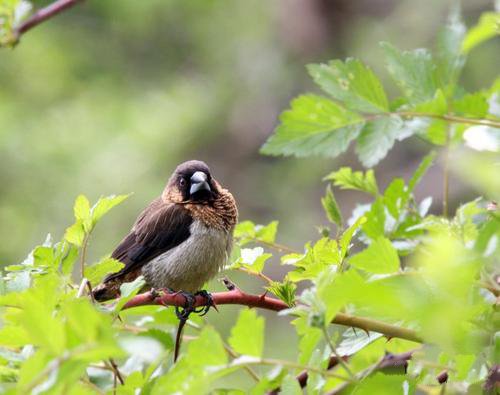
[{"x": 199, "y": 183}]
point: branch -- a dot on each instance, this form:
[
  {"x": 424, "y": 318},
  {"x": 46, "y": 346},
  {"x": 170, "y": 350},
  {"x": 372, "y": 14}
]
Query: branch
[
  {"x": 236, "y": 296},
  {"x": 42, "y": 15}
]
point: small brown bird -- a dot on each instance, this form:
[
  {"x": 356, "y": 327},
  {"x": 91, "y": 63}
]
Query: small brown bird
[{"x": 181, "y": 240}]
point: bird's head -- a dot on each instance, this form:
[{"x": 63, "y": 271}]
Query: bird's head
[{"x": 191, "y": 182}]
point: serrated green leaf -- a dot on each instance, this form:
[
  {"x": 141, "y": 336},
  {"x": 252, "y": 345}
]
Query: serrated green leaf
[
  {"x": 486, "y": 28},
  {"x": 314, "y": 126},
  {"x": 345, "y": 178},
  {"x": 104, "y": 204},
  {"x": 352, "y": 83},
  {"x": 378, "y": 137},
  {"x": 252, "y": 259},
  {"x": 437, "y": 105},
  {"x": 75, "y": 234},
  {"x": 266, "y": 233},
  {"x": 379, "y": 257},
  {"x": 284, "y": 290},
  {"x": 421, "y": 170},
  {"x": 331, "y": 207},
  {"x": 96, "y": 272},
  {"x": 413, "y": 71},
  {"x": 247, "y": 335}
]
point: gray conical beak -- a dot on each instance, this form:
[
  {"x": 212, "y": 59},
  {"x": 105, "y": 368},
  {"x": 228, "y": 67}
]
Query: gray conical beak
[{"x": 199, "y": 183}]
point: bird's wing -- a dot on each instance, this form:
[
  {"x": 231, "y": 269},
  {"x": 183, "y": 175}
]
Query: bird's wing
[{"x": 158, "y": 228}]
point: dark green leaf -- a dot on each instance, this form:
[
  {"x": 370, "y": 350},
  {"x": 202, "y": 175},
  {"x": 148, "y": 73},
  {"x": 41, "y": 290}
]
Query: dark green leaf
[
  {"x": 314, "y": 126},
  {"x": 352, "y": 83}
]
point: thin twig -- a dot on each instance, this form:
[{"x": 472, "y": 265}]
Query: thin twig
[
  {"x": 335, "y": 353},
  {"x": 450, "y": 118},
  {"x": 43, "y": 14},
  {"x": 83, "y": 255},
  {"x": 256, "y": 274}
]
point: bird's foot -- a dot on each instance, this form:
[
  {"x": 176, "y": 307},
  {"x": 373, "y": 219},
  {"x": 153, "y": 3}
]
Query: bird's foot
[
  {"x": 183, "y": 313},
  {"x": 209, "y": 302}
]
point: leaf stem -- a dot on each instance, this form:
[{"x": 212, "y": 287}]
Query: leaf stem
[
  {"x": 335, "y": 353},
  {"x": 256, "y": 274},
  {"x": 449, "y": 118},
  {"x": 83, "y": 255}
]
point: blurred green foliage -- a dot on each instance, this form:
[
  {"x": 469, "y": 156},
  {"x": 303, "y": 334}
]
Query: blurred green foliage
[{"x": 427, "y": 281}]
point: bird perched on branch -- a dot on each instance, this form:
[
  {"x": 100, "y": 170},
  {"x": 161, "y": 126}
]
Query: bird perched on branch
[{"x": 181, "y": 240}]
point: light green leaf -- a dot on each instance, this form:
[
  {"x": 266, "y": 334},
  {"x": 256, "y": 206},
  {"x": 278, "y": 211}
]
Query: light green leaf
[
  {"x": 471, "y": 105},
  {"x": 395, "y": 197},
  {"x": 247, "y": 231},
  {"x": 332, "y": 208},
  {"x": 437, "y": 105},
  {"x": 96, "y": 272},
  {"x": 378, "y": 137},
  {"x": 379, "y": 257},
  {"x": 413, "y": 71},
  {"x": 345, "y": 178},
  {"x": 352, "y": 83},
  {"x": 487, "y": 27},
  {"x": 314, "y": 126},
  {"x": 421, "y": 170},
  {"x": 82, "y": 208},
  {"x": 247, "y": 335},
  {"x": 284, "y": 290},
  {"x": 128, "y": 291},
  {"x": 253, "y": 259},
  {"x": 290, "y": 386},
  {"x": 75, "y": 234},
  {"x": 381, "y": 383},
  {"x": 345, "y": 239},
  {"x": 104, "y": 204},
  {"x": 266, "y": 233}
]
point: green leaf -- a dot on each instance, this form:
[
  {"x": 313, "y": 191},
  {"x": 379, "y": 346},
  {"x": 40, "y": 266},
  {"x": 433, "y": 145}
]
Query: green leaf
[
  {"x": 487, "y": 27},
  {"x": 104, "y": 204},
  {"x": 290, "y": 386},
  {"x": 332, "y": 208},
  {"x": 247, "y": 335},
  {"x": 378, "y": 137},
  {"x": 437, "y": 105},
  {"x": 284, "y": 290},
  {"x": 352, "y": 83},
  {"x": 345, "y": 239},
  {"x": 450, "y": 59},
  {"x": 96, "y": 272},
  {"x": 471, "y": 105},
  {"x": 413, "y": 71},
  {"x": 247, "y": 231},
  {"x": 314, "y": 126},
  {"x": 421, "y": 170},
  {"x": 82, "y": 208},
  {"x": 379, "y": 257},
  {"x": 266, "y": 233},
  {"x": 345, "y": 178},
  {"x": 396, "y": 197},
  {"x": 75, "y": 234},
  {"x": 381, "y": 383},
  {"x": 252, "y": 259}
]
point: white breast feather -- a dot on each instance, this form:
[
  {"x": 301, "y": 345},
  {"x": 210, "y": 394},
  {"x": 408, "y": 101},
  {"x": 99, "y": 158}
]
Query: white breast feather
[{"x": 192, "y": 263}]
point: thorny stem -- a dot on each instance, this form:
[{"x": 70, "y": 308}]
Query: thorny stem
[{"x": 238, "y": 297}]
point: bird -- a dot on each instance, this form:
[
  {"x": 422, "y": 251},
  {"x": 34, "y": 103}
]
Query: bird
[{"x": 180, "y": 240}]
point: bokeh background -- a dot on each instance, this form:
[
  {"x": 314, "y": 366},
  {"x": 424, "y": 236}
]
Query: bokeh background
[{"x": 109, "y": 97}]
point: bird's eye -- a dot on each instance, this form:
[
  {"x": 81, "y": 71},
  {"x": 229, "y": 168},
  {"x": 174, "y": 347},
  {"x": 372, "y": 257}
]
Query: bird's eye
[{"x": 182, "y": 182}]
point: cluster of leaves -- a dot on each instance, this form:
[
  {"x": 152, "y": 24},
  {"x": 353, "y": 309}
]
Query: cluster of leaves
[
  {"x": 390, "y": 265},
  {"x": 358, "y": 107}
]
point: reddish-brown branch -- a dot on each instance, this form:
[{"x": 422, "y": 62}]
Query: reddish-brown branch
[
  {"x": 43, "y": 14},
  {"x": 236, "y": 296}
]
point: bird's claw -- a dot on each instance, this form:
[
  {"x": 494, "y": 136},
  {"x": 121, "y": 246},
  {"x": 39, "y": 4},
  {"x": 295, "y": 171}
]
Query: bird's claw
[{"x": 183, "y": 313}]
